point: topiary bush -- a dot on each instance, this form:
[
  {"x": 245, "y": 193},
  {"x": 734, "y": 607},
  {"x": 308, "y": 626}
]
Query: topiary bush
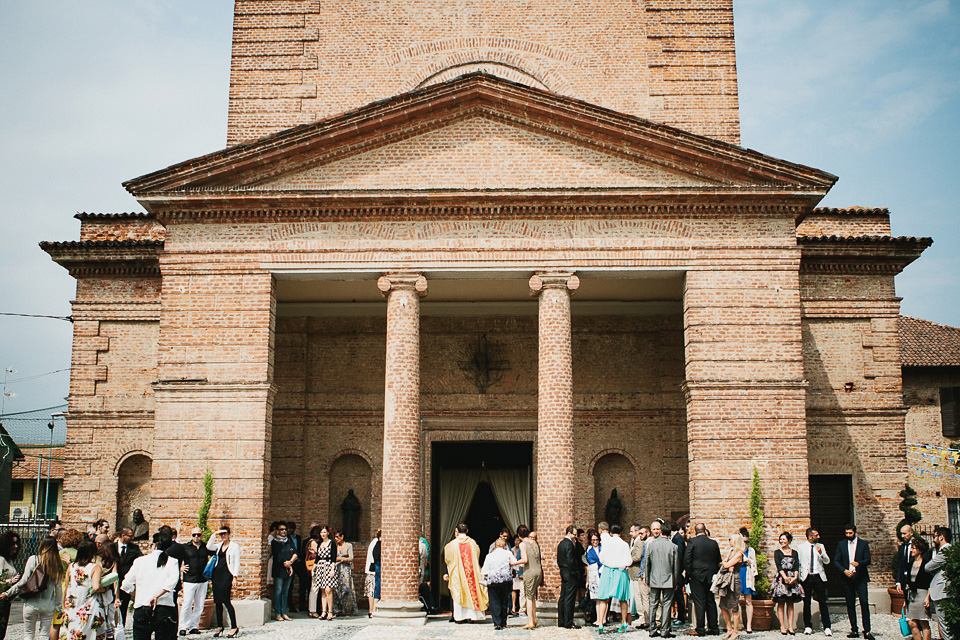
[{"x": 911, "y": 515}]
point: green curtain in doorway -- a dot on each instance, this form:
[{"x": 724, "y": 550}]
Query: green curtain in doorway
[
  {"x": 511, "y": 489},
  {"x": 457, "y": 487}
]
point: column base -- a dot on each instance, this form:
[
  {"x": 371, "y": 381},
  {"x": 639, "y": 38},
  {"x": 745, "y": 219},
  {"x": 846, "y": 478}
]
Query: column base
[
  {"x": 410, "y": 614},
  {"x": 547, "y": 612}
]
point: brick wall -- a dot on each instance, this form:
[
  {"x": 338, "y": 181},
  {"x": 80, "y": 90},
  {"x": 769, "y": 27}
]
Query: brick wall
[
  {"x": 298, "y": 61},
  {"x": 921, "y": 394},
  {"x": 854, "y": 403}
]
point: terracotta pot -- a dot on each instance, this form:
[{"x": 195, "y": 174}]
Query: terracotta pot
[
  {"x": 896, "y": 600},
  {"x": 206, "y": 617},
  {"x": 762, "y": 614}
]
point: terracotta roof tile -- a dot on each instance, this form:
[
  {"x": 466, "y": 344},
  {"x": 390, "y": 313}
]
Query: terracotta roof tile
[
  {"x": 928, "y": 344},
  {"x": 123, "y": 215},
  {"x": 852, "y": 211},
  {"x": 27, "y": 469}
]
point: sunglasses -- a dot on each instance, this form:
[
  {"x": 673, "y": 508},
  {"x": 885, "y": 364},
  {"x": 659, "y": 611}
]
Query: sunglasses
[{"x": 196, "y": 535}]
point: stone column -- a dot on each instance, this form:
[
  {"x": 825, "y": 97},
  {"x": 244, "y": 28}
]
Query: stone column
[
  {"x": 402, "y": 495},
  {"x": 555, "y": 470}
]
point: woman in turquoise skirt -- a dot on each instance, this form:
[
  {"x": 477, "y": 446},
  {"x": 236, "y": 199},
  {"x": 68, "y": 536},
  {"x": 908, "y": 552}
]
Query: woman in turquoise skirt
[{"x": 614, "y": 581}]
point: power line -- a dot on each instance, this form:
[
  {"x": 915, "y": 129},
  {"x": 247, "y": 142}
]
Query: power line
[
  {"x": 39, "y": 375},
  {"x": 36, "y": 315}
]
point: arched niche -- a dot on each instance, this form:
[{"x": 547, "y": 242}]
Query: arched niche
[
  {"x": 615, "y": 471},
  {"x": 351, "y": 471},
  {"x": 133, "y": 488}
]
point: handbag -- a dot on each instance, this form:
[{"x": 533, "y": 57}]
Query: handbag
[
  {"x": 208, "y": 570},
  {"x": 36, "y": 583},
  {"x": 721, "y": 580},
  {"x": 311, "y": 561},
  {"x": 904, "y": 624}
]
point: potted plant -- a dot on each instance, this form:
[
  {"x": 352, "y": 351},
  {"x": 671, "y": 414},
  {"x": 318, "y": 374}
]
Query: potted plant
[
  {"x": 762, "y": 604},
  {"x": 911, "y": 516},
  {"x": 206, "y": 618}
]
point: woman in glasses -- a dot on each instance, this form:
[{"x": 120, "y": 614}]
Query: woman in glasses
[{"x": 226, "y": 569}]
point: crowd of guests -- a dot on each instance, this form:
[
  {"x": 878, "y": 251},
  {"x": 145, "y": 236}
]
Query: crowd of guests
[
  {"x": 79, "y": 585},
  {"x": 651, "y": 580},
  {"x": 647, "y": 577},
  {"x": 322, "y": 565}
]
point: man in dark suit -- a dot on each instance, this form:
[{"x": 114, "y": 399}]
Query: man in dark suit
[
  {"x": 904, "y": 558},
  {"x": 127, "y": 551},
  {"x": 701, "y": 561},
  {"x": 569, "y": 571},
  {"x": 853, "y": 558}
]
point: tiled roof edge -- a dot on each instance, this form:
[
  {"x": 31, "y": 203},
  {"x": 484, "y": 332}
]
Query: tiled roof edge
[{"x": 123, "y": 215}]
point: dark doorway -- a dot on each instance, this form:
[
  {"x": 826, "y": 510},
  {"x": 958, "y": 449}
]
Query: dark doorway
[
  {"x": 831, "y": 509},
  {"x": 484, "y": 517}
]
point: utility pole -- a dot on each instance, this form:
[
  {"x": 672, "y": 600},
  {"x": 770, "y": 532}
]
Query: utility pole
[{"x": 46, "y": 497}]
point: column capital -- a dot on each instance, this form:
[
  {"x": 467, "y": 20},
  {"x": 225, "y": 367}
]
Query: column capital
[
  {"x": 553, "y": 280},
  {"x": 402, "y": 280}
]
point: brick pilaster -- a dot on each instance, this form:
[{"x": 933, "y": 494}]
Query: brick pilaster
[
  {"x": 745, "y": 393},
  {"x": 402, "y": 515},
  {"x": 555, "y": 456},
  {"x": 214, "y": 408}
]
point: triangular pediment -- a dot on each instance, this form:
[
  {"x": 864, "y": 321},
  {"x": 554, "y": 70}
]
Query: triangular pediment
[
  {"x": 481, "y": 152},
  {"x": 476, "y": 133}
]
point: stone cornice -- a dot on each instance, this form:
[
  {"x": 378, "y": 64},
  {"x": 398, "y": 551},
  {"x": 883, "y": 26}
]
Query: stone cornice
[
  {"x": 860, "y": 254},
  {"x": 107, "y": 257},
  {"x": 489, "y": 208}
]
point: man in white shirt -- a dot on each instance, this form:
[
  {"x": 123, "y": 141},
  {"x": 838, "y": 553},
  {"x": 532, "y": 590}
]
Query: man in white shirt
[
  {"x": 813, "y": 559},
  {"x": 153, "y": 578}
]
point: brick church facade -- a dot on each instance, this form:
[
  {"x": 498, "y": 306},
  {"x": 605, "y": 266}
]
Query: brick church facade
[{"x": 527, "y": 234}]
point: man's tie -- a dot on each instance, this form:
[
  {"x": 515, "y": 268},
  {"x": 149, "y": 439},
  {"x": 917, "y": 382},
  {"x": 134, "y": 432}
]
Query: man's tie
[{"x": 813, "y": 552}]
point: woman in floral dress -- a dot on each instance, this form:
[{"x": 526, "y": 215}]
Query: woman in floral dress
[
  {"x": 344, "y": 600},
  {"x": 82, "y": 604}
]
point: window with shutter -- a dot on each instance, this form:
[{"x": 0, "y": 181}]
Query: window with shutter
[{"x": 948, "y": 411}]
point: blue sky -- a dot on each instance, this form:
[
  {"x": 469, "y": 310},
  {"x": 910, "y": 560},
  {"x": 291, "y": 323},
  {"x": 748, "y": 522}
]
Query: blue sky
[{"x": 95, "y": 93}]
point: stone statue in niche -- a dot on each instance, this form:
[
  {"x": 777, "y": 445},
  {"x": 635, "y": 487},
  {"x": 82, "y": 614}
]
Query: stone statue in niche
[
  {"x": 614, "y": 509},
  {"x": 351, "y": 517},
  {"x": 140, "y": 526}
]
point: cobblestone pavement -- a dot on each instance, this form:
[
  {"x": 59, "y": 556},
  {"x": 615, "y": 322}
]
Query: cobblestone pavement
[{"x": 304, "y": 628}]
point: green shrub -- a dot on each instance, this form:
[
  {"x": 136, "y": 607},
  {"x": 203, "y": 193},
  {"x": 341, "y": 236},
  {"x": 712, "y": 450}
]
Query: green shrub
[
  {"x": 951, "y": 604},
  {"x": 756, "y": 537},
  {"x": 205, "y": 505}
]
